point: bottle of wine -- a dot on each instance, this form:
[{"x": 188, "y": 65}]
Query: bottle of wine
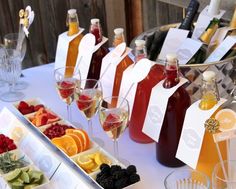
[{"x": 191, "y": 12}]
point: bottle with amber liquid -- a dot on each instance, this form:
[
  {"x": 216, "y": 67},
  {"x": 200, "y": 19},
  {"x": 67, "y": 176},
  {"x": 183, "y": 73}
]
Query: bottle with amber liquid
[
  {"x": 96, "y": 61},
  {"x": 210, "y": 97},
  {"x": 142, "y": 96},
  {"x": 121, "y": 67},
  {"x": 174, "y": 117},
  {"x": 73, "y": 24}
]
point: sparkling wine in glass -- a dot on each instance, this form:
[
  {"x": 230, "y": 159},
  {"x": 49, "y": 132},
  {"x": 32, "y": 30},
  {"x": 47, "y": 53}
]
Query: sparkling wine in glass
[
  {"x": 18, "y": 42},
  {"x": 88, "y": 97},
  {"x": 113, "y": 116},
  {"x": 11, "y": 71},
  {"x": 66, "y": 82}
]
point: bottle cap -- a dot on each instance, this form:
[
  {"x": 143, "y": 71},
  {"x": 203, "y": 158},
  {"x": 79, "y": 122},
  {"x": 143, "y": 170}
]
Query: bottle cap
[
  {"x": 118, "y": 31},
  {"x": 95, "y": 21},
  {"x": 71, "y": 11},
  {"x": 209, "y": 76},
  {"x": 140, "y": 43},
  {"x": 171, "y": 58}
]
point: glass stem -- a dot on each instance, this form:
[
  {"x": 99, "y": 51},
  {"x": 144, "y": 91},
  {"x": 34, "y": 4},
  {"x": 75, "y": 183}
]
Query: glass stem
[
  {"x": 68, "y": 113},
  {"x": 90, "y": 128},
  {"x": 12, "y": 87},
  {"x": 116, "y": 150}
]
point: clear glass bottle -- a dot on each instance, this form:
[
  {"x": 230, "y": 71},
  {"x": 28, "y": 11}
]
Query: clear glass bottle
[
  {"x": 140, "y": 50},
  {"x": 210, "y": 96},
  {"x": 174, "y": 117},
  {"x": 73, "y": 50},
  {"x": 118, "y": 37},
  {"x": 96, "y": 61}
]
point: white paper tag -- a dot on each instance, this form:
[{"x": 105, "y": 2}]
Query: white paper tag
[
  {"x": 222, "y": 49},
  {"x": 203, "y": 21},
  {"x": 131, "y": 76},
  {"x": 109, "y": 65},
  {"x": 157, "y": 108},
  {"x": 174, "y": 39},
  {"x": 104, "y": 40},
  {"x": 86, "y": 47},
  {"x": 62, "y": 48},
  {"x": 187, "y": 50},
  {"x": 193, "y": 133}
]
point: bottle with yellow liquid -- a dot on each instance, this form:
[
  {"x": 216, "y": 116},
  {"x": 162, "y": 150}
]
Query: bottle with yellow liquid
[
  {"x": 125, "y": 63},
  {"x": 210, "y": 96},
  {"x": 73, "y": 24}
]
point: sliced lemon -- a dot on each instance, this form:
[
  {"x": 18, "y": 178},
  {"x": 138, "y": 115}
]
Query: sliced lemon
[
  {"x": 86, "y": 163},
  {"x": 100, "y": 159}
]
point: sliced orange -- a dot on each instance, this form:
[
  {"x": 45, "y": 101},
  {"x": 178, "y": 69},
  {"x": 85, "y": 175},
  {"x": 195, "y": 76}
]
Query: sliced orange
[
  {"x": 69, "y": 130},
  {"x": 58, "y": 143},
  {"x": 85, "y": 137},
  {"x": 78, "y": 141},
  {"x": 226, "y": 118}
]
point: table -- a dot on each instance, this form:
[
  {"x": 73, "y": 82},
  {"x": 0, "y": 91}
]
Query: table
[{"x": 41, "y": 85}]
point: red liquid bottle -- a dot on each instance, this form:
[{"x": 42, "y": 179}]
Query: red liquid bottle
[
  {"x": 96, "y": 61},
  {"x": 142, "y": 97},
  {"x": 174, "y": 117}
]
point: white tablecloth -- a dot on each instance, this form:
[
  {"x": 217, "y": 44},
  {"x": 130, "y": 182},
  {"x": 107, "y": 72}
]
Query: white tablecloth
[{"x": 42, "y": 85}]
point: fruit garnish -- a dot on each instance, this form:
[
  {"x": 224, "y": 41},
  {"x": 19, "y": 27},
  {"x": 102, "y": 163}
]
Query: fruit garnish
[
  {"x": 78, "y": 141},
  {"x": 84, "y": 102},
  {"x": 6, "y": 144},
  {"x": 23, "y": 105},
  {"x": 86, "y": 163},
  {"x": 226, "y": 118},
  {"x": 26, "y": 108},
  {"x": 56, "y": 130},
  {"x": 66, "y": 88},
  {"x": 112, "y": 121},
  {"x": 37, "y": 107}
]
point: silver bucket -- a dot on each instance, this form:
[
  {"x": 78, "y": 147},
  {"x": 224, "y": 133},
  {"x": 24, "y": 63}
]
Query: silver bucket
[{"x": 225, "y": 70}]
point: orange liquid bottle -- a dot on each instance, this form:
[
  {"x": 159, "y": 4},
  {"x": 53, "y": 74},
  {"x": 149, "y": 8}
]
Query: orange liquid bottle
[
  {"x": 174, "y": 117},
  {"x": 125, "y": 63},
  {"x": 73, "y": 23},
  {"x": 208, "y": 156},
  {"x": 96, "y": 61}
]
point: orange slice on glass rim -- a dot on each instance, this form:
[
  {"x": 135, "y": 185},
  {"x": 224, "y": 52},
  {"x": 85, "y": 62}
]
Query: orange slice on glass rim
[{"x": 227, "y": 119}]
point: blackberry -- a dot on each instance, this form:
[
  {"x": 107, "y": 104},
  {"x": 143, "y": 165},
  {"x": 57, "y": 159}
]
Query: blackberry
[
  {"x": 131, "y": 169},
  {"x": 105, "y": 168},
  {"x": 121, "y": 183},
  {"x": 134, "y": 178},
  {"x": 118, "y": 175},
  {"x": 102, "y": 176},
  {"x": 115, "y": 168},
  {"x": 107, "y": 183}
]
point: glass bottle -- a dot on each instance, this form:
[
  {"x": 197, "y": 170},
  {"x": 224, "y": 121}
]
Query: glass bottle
[
  {"x": 73, "y": 50},
  {"x": 96, "y": 61},
  {"x": 174, "y": 117},
  {"x": 140, "y": 50},
  {"x": 210, "y": 96},
  {"x": 121, "y": 67}
]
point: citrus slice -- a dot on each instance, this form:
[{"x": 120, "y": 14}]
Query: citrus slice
[
  {"x": 58, "y": 143},
  {"x": 69, "y": 131},
  {"x": 81, "y": 133},
  {"x": 100, "y": 159},
  {"x": 69, "y": 145},
  {"x": 226, "y": 118},
  {"x": 78, "y": 141},
  {"x": 86, "y": 163}
]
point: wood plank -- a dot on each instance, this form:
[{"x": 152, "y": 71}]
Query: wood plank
[
  {"x": 6, "y": 24},
  {"x": 150, "y": 14}
]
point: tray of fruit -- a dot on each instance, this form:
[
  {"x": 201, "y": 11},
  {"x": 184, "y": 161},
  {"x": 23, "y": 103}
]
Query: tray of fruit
[{"x": 75, "y": 143}]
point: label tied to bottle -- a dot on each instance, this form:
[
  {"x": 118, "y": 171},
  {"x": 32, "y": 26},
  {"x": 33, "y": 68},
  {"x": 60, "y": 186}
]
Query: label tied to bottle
[
  {"x": 193, "y": 133},
  {"x": 157, "y": 108}
]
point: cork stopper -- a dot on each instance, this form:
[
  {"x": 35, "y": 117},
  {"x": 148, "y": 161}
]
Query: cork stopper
[
  {"x": 95, "y": 21},
  {"x": 118, "y": 31},
  {"x": 71, "y": 11},
  {"x": 139, "y": 43},
  {"x": 171, "y": 58},
  {"x": 209, "y": 76}
]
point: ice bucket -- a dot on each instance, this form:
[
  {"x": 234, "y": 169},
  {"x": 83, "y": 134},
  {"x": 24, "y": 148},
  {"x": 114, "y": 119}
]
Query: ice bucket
[{"x": 225, "y": 70}]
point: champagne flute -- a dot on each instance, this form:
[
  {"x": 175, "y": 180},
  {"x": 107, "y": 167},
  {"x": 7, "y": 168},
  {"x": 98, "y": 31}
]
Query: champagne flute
[
  {"x": 88, "y": 97},
  {"x": 3, "y": 54},
  {"x": 17, "y": 42},
  {"x": 67, "y": 79},
  {"x": 11, "y": 70},
  {"x": 113, "y": 116}
]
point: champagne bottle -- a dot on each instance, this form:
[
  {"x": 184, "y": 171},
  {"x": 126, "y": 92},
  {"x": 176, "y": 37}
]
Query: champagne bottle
[{"x": 191, "y": 12}]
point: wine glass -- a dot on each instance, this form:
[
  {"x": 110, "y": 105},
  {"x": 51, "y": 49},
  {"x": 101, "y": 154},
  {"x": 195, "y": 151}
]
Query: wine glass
[
  {"x": 67, "y": 79},
  {"x": 2, "y": 60},
  {"x": 88, "y": 97},
  {"x": 11, "y": 70},
  {"x": 18, "y": 42},
  {"x": 113, "y": 116}
]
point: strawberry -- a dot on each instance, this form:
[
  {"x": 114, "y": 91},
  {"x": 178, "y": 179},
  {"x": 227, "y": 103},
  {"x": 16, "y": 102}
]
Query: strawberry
[
  {"x": 66, "y": 89},
  {"x": 23, "y": 105},
  {"x": 112, "y": 121},
  {"x": 37, "y": 107},
  {"x": 25, "y": 111},
  {"x": 84, "y": 102}
]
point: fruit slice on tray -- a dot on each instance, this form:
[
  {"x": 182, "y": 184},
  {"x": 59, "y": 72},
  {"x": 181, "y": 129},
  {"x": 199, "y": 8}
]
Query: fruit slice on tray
[
  {"x": 27, "y": 108},
  {"x": 43, "y": 117},
  {"x": 91, "y": 162},
  {"x": 73, "y": 142},
  {"x": 6, "y": 144}
]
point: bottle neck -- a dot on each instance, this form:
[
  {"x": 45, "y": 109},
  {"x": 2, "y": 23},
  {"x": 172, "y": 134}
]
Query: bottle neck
[
  {"x": 171, "y": 74},
  {"x": 73, "y": 24},
  {"x": 210, "y": 95},
  {"x": 96, "y": 30},
  {"x": 140, "y": 53},
  {"x": 118, "y": 39}
]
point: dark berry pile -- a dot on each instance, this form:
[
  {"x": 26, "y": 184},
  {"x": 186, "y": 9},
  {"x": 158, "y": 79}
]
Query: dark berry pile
[
  {"x": 6, "y": 144},
  {"x": 56, "y": 130},
  {"x": 115, "y": 177}
]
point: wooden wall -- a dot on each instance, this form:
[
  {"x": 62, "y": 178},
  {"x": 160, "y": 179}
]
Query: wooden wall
[{"x": 50, "y": 21}]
